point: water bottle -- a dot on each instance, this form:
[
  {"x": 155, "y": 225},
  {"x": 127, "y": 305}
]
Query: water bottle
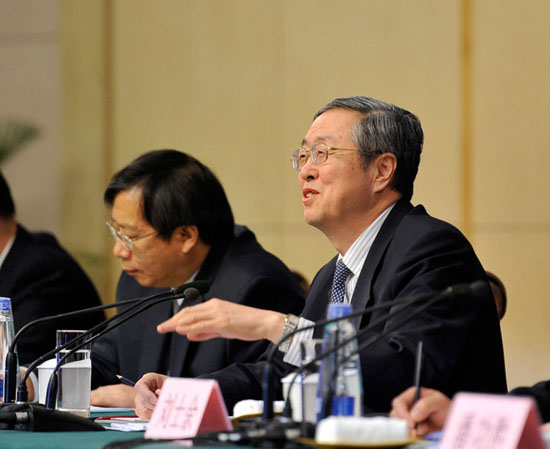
[
  {"x": 340, "y": 391},
  {"x": 7, "y": 333}
]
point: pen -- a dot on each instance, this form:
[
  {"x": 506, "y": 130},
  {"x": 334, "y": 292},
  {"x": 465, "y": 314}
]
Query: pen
[
  {"x": 417, "y": 371},
  {"x": 126, "y": 381}
]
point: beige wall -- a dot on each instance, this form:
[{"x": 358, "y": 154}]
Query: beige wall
[
  {"x": 30, "y": 91},
  {"x": 511, "y": 160},
  {"x": 235, "y": 83}
]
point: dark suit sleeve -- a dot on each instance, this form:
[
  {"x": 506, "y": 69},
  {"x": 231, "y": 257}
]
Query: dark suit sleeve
[
  {"x": 540, "y": 392},
  {"x": 212, "y": 355},
  {"x": 461, "y": 336},
  {"x": 241, "y": 381}
]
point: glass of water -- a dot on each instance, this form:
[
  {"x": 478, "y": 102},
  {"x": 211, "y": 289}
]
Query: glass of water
[{"x": 74, "y": 375}]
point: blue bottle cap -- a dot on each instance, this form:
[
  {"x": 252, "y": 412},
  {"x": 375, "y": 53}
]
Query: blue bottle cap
[
  {"x": 338, "y": 310},
  {"x": 5, "y": 304}
]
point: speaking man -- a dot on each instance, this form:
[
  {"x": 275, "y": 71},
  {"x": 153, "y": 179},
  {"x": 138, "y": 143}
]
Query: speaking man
[{"x": 356, "y": 169}]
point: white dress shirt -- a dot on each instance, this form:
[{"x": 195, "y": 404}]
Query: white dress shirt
[{"x": 354, "y": 259}]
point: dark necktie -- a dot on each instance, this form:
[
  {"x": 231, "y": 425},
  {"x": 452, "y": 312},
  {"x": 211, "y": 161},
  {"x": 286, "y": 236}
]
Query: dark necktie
[{"x": 339, "y": 283}]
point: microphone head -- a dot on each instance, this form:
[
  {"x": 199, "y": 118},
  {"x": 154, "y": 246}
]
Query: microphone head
[
  {"x": 201, "y": 286},
  {"x": 480, "y": 288},
  {"x": 476, "y": 289},
  {"x": 191, "y": 293}
]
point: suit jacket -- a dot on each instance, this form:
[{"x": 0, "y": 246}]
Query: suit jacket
[
  {"x": 243, "y": 273},
  {"x": 412, "y": 254},
  {"x": 42, "y": 279}
]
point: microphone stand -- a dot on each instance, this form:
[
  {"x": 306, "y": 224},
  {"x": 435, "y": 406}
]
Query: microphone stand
[
  {"x": 477, "y": 288},
  {"x": 268, "y": 383},
  {"x": 51, "y": 394},
  {"x": 279, "y": 432},
  {"x": 12, "y": 362},
  {"x": 35, "y": 417}
]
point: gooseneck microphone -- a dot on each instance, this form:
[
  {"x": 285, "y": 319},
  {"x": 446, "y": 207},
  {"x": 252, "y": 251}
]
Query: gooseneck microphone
[
  {"x": 268, "y": 384},
  {"x": 476, "y": 288},
  {"x": 11, "y": 358},
  {"x": 188, "y": 294},
  {"x": 11, "y": 361},
  {"x": 35, "y": 417}
]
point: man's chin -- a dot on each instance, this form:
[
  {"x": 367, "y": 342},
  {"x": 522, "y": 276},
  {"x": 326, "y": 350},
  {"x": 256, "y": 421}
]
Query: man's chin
[
  {"x": 150, "y": 283},
  {"x": 311, "y": 220},
  {"x": 144, "y": 281}
]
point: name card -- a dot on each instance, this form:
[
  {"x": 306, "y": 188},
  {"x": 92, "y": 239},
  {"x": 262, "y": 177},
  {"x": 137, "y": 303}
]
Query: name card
[
  {"x": 491, "y": 421},
  {"x": 186, "y": 408}
]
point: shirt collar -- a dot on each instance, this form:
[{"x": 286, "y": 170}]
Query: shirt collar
[{"x": 357, "y": 253}]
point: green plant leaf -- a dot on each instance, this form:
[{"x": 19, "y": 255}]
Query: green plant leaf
[{"x": 14, "y": 134}]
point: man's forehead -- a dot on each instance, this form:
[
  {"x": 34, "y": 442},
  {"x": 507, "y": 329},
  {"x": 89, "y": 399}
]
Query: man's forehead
[
  {"x": 127, "y": 209},
  {"x": 331, "y": 125},
  {"x": 321, "y": 138},
  {"x": 123, "y": 223}
]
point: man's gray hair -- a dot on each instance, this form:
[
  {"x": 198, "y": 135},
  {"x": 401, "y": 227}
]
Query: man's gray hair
[{"x": 385, "y": 128}]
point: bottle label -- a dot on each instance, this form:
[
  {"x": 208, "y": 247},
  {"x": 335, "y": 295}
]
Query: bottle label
[
  {"x": 342, "y": 406},
  {"x": 1, "y": 390}
]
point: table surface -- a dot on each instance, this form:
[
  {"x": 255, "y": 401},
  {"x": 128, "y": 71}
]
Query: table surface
[{"x": 10, "y": 439}]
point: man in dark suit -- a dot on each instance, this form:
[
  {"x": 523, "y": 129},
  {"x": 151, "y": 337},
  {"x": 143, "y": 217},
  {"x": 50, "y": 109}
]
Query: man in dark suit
[
  {"x": 172, "y": 224},
  {"x": 41, "y": 279},
  {"x": 356, "y": 169}
]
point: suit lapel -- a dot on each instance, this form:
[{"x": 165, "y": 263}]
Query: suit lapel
[
  {"x": 180, "y": 344},
  {"x": 362, "y": 295},
  {"x": 316, "y": 309},
  {"x": 151, "y": 352}
]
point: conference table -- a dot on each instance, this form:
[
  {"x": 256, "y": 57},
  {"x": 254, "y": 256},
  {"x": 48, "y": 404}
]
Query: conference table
[{"x": 12, "y": 439}]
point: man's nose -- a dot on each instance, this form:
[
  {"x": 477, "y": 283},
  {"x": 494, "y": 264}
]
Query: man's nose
[
  {"x": 119, "y": 250},
  {"x": 309, "y": 170}
]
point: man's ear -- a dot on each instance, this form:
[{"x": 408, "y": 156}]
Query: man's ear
[
  {"x": 385, "y": 166},
  {"x": 187, "y": 236}
]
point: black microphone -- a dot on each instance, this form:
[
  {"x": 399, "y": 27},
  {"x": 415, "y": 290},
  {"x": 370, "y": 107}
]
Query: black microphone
[
  {"x": 36, "y": 417},
  {"x": 202, "y": 286},
  {"x": 12, "y": 362},
  {"x": 189, "y": 293},
  {"x": 476, "y": 288}
]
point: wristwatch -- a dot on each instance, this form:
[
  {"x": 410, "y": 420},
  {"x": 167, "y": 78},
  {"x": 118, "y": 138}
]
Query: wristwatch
[{"x": 291, "y": 323}]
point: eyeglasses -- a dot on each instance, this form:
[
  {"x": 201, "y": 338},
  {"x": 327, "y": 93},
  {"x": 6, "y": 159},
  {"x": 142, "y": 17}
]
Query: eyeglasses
[
  {"x": 127, "y": 242},
  {"x": 319, "y": 154}
]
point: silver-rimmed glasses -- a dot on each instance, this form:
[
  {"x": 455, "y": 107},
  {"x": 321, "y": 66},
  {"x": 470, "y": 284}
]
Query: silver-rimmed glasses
[
  {"x": 319, "y": 154},
  {"x": 127, "y": 242}
]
